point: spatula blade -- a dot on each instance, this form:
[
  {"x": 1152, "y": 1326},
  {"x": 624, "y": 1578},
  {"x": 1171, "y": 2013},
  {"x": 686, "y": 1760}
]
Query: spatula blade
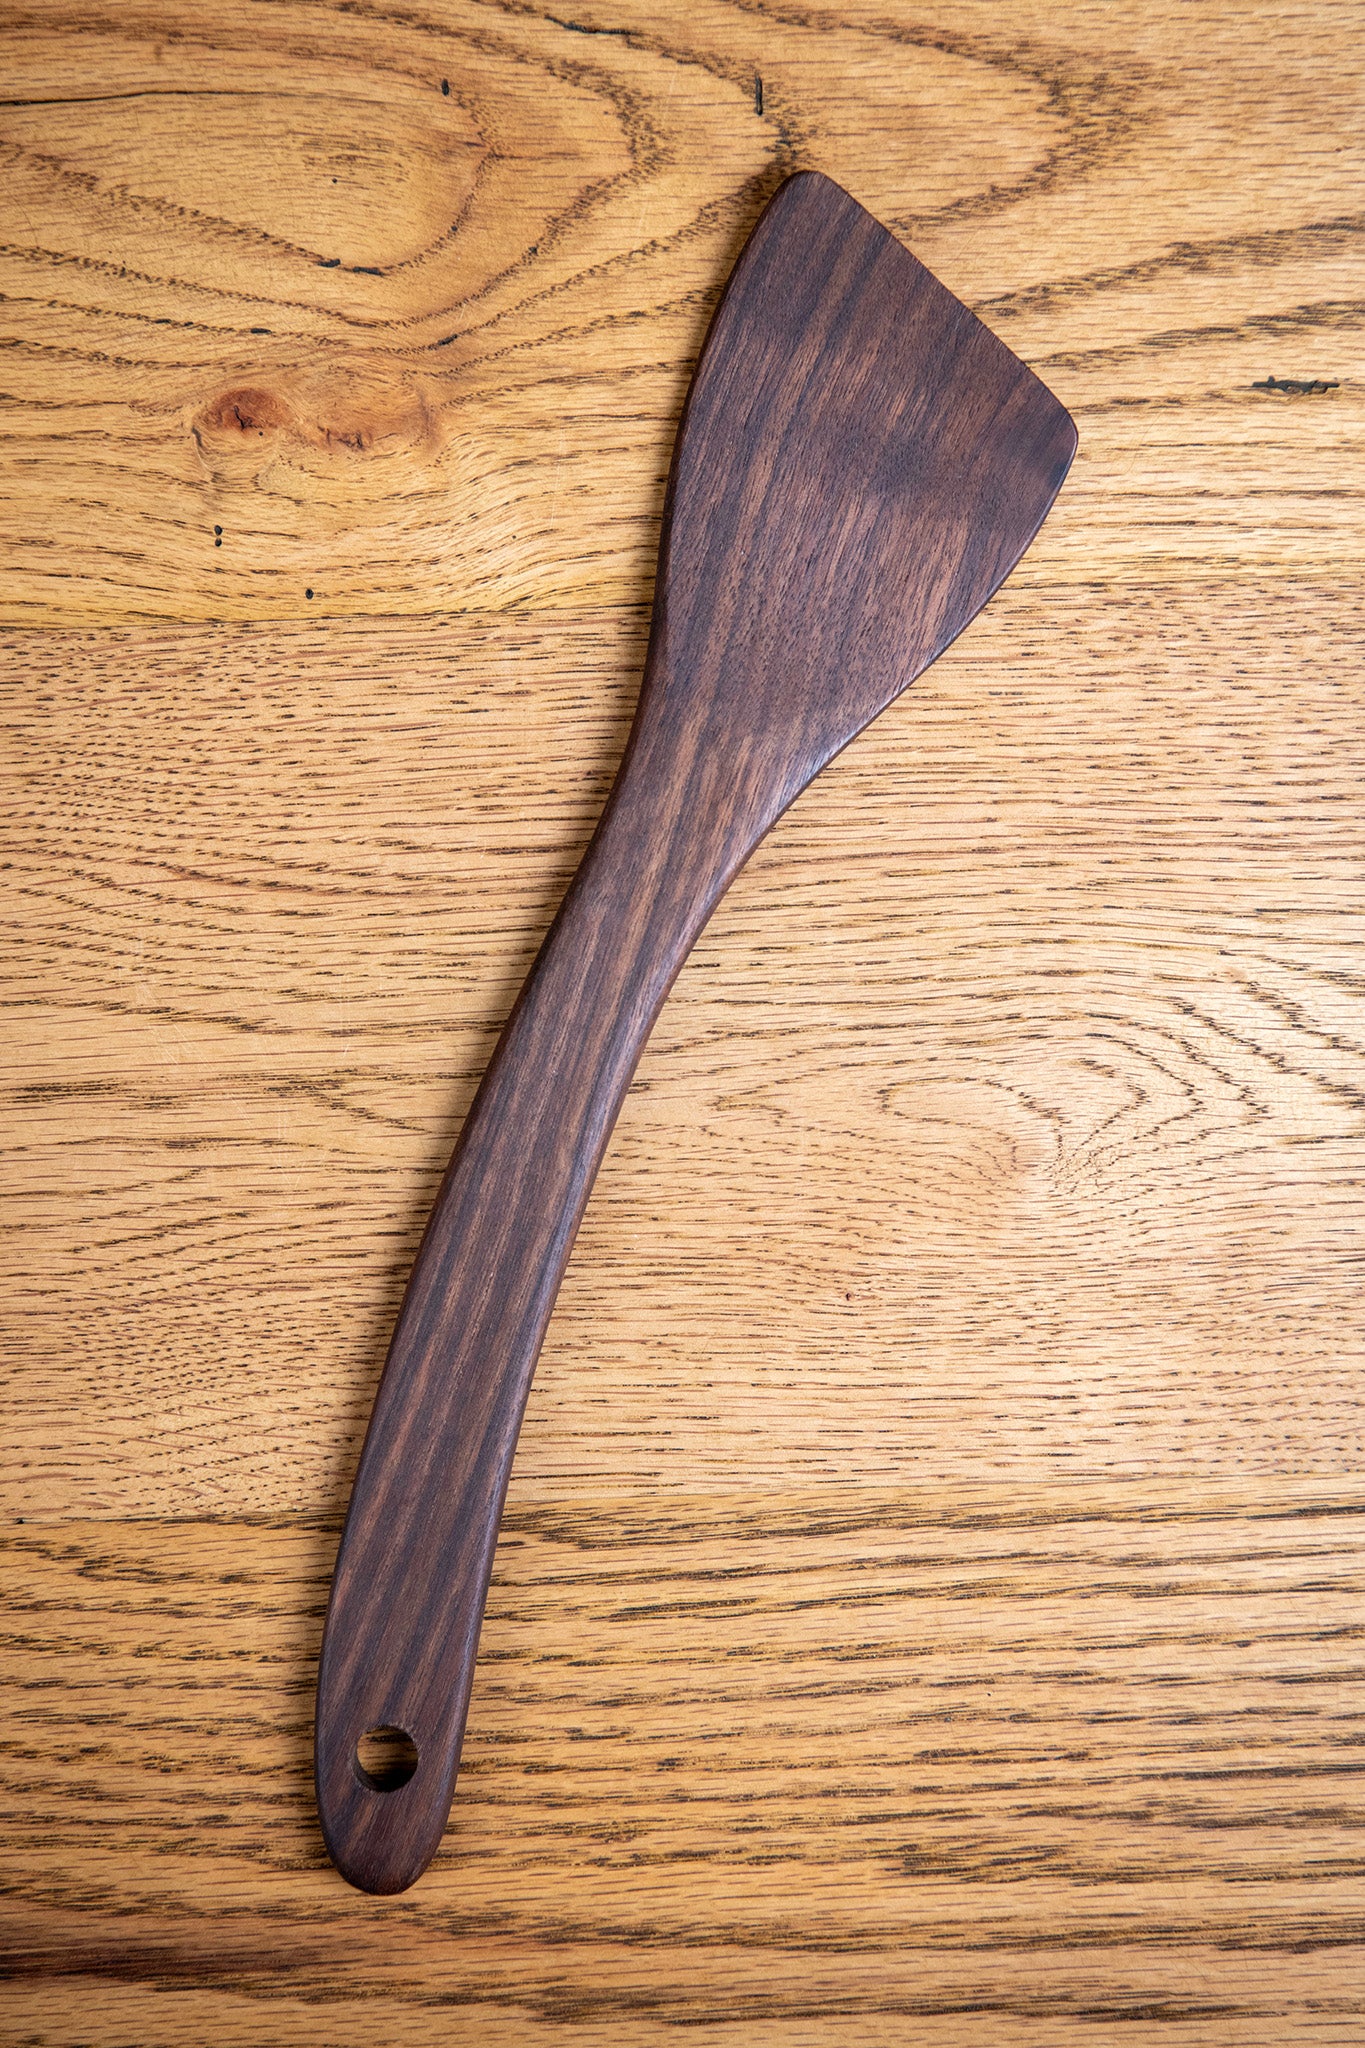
[{"x": 860, "y": 465}]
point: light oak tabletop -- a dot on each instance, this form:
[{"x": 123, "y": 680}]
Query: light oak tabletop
[{"x": 931, "y": 1601}]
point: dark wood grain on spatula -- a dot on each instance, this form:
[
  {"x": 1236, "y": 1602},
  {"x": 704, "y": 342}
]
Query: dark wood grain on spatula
[{"x": 859, "y": 466}]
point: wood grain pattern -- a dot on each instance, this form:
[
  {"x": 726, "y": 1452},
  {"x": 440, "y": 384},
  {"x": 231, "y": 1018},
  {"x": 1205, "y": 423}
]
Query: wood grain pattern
[
  {"x": 416, "y": 350},
  {"x": 860, "y": 465},
  {"x": 867, "y": 1764},
  {"x": 1090, "y": 895}
]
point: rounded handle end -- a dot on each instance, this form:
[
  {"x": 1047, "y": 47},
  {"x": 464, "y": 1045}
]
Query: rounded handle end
[{"x": 383, "y": 1803}]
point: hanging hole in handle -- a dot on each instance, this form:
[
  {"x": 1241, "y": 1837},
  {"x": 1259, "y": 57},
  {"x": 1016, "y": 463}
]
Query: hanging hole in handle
[{"x": 385, "y": 1758}]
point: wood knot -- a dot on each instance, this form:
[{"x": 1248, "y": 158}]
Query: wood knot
[
  {"x": 352, "y": 425},
  {"x": 246, "y": 409}
]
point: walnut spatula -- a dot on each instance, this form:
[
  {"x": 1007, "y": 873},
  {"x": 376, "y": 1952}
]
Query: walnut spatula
[{"x": 860, "y": 465}]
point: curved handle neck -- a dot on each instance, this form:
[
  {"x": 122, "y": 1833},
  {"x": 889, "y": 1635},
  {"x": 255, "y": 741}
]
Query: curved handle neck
[{"x": 412, "y": 1575}]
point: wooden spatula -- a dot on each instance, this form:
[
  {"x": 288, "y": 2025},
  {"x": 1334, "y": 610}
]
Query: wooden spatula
[{"x": 860, "y": 464}]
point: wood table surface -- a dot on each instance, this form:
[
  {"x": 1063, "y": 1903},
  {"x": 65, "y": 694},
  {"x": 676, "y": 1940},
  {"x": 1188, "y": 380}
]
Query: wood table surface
[{"x": 931, "y": 1605}]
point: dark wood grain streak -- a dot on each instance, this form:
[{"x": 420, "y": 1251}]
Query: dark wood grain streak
[{"x": 860, "y": 465}]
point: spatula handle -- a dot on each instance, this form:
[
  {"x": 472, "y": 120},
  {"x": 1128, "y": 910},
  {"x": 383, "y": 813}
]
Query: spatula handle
[{"x": 412, "y": 1575}]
